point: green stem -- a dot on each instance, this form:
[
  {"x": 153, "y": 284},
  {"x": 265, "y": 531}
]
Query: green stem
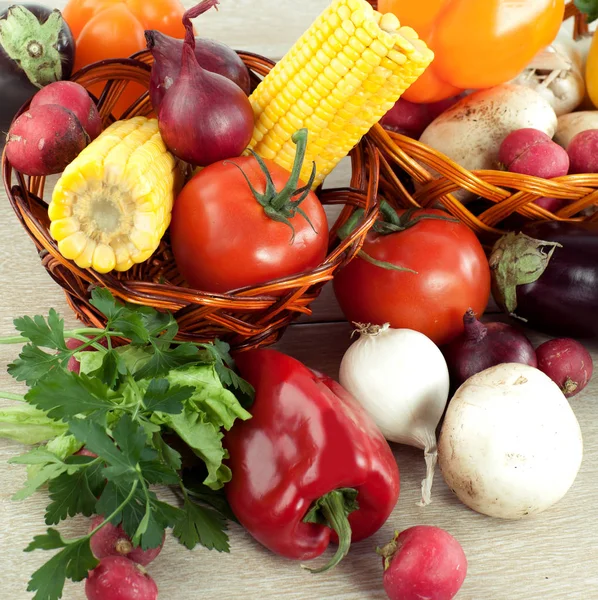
[
  {"x": 350, "y": 224},
  {"x": 109, "y": 517},
  {"x": 333, "y": 510},
  {"x": 9, "y": 396}
]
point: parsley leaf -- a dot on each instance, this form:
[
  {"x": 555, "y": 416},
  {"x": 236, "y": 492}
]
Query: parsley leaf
[
  {"x": 46, "y": 333},
  {"x": 155, "y": 471},
  {"x": 590, "y": 7},
  {"x": 64, "y": 395},
  {"x": 160, "y": 396},
  {"x": 169, "y": 456},
  {"x": 105, "y": 302},
  {"x": 74, "y": 494},
  {"x": 200, "y": 525},
  {"x": 164, "y": 360},
  {"x": 111, "y": 370},
  {"x": 74, "y": 561},
  {"x": 224, "y": 365},
  {"x": 33, "y": 364}
]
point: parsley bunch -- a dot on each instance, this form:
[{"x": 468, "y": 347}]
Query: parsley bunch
[{"x": 124, "y": 406}]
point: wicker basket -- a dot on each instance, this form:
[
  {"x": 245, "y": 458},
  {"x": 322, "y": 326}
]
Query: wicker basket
[
  {"x": 506, "y": 199},
  {"x": 248, "y": 317}
]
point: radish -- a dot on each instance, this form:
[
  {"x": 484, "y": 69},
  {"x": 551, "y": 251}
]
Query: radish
[
  {"x": 44, "y": 140},
  {"x": 118, "y": 578},
  {"x": 111, "y": 540},
  {"x": 75, "y": 98},
  {"x": 423, "y": 562},
  {"x": 583, "y": 152},
  {"x": 567, "y": 363},
  {"x": 510, "y": 445}
]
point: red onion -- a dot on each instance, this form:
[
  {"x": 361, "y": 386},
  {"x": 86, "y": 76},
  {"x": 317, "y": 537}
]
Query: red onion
[
  {"x": 567, "y": 363},
  {"x": 483, "y": 345},
  {"x": 203, "y": 117},
  {"x": 213, "y": 56}
]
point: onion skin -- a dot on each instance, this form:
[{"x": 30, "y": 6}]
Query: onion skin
[
  {"x": 484, "y": 345},
  {"x": 213, "y": 56},
  {"x": 567, "y": 363}
]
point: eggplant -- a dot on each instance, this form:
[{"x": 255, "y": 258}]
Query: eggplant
[
  {"x": 36, "y": 48},
  {"x": 547, "y": 275}
]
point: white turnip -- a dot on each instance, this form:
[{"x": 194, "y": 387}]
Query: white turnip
[
  {"x": 423, "y": 562},
  {"x": 510, "y": 445},
  {"x": 567, "y": 363},
  {"x": 118, "y": 578}
]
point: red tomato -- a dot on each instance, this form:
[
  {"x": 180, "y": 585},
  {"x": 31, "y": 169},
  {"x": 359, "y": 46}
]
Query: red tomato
[
  {"x": 452, "y": 275},
  {"x": 222, "y": 238}
]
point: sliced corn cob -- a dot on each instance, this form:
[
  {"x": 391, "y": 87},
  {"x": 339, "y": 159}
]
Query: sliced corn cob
[
  {"x": 340, "y": 77},
  {"x": 112, "y": 204}
]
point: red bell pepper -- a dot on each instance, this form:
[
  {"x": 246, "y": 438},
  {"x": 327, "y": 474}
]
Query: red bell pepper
[{"x": 310, "y": 466}]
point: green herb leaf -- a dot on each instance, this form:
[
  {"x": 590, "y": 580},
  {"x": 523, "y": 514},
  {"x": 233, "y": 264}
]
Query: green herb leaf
[
  {"x": 111, "y": 370},
  {"x": 160, "y": 396},
  {"x": 156, "y": 472},
  {"x": 74, "y": 494},
  {"x": 46, "y": 333},
  {"x": 200, "y": 525},
  {"x": 33, "y": 364},
  {"x": 589, "y": 7},
  {"x": 215, "y": 498},
  {"x": 105, "y": 302},
  {"x": 164, "y": 360},
  {"x": 169, "y": 456},
  {"x": 64, "y": 394},
  {"x": 74, "y": 561},
  {"x": 47, "y": 541},
  {"x": 43, "y": 474},
  {"x": 224, "y": 364}
]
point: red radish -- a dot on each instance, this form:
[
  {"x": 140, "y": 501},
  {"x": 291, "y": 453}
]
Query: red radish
[
  {"x": 583, "y": 152},
  {"x": 423, "y": 562},
  {"x": 567, "y": 363},
  {"x": 73, "y": 343},
  {"x": 85, "y": 452},
  {"x": 411, "y": 119},
  {"x": 118, "y": 578},
  {"x": 75, "y": 98},
  {"x": 112, "y": 540},
  {"x": 483, "y": 345},
  {"x": 532, "y": 152},
  {"x": 44, "y": 140}
]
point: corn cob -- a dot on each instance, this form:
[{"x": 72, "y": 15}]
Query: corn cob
[
  {"x": 112, "y": 204},
  {"x": 341, "y": 76}
]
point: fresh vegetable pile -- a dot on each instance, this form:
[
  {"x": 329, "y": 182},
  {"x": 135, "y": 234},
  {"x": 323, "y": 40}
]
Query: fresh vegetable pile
[{"x": 115, "y": 415}]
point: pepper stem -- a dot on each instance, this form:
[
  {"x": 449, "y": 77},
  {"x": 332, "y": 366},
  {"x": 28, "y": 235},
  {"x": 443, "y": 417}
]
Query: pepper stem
[{"x": 332, "y": 510}]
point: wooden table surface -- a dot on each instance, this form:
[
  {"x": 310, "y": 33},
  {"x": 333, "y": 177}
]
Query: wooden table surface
[{"x": 551, "y": 556}]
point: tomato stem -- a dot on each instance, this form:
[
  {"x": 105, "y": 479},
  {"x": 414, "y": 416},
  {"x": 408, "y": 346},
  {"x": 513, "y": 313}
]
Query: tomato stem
[{"x": 281, "y": 206}]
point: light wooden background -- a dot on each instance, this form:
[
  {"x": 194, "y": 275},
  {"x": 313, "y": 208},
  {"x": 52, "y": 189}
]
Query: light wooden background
[{"x": 553, "y": 556}]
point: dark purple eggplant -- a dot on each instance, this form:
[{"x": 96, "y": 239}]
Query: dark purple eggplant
[
  {"x": 547, "y": 275},
  {"x": 36, "y": 48}
]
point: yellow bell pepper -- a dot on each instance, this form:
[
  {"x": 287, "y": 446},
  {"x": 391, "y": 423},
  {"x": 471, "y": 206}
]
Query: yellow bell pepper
[{"x": 591, "y": 74}]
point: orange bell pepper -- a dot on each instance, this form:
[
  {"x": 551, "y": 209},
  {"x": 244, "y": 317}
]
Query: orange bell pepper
[
  {"x": 477, "y": 43},
  {"x": 115, "y": 29}
]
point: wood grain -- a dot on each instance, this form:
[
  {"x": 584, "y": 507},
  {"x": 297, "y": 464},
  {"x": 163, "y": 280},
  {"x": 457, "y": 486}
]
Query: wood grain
[{"x": 553, "y": 556}]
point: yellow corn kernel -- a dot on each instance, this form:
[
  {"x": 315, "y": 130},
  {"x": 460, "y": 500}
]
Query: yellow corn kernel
[
  {"x": 112, "y": 204},
  {"x": 337, "y": 80}
]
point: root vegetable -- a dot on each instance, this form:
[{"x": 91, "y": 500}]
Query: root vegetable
[
  {"x": 483, "y": 345},
  {"x": 118, "y": 578},
  {"x": 423, "y": 562},
  {"x": 510, "y": 445},
  {"x": 411, "y": 119},
  {"x": 583, "y": 152},
  {"x": 44, "y": 140},
  {"x": 401, "y": 379},
  {"x": 572, "y": 124},
  {"x": 471, "y": 131},
  {"x": 532, "y": 152},
  {"x": 75, "y": 98},
  {"x": 111, "y": 540},
  {"x": 567, "y": 363}
]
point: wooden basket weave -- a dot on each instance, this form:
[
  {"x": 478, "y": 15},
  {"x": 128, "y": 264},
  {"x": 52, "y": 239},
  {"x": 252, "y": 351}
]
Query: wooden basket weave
[
  {"x": 246, "y": 318},
  {"x": 506, "y": 195}
]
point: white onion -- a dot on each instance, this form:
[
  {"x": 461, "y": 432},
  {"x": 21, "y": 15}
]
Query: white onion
[{"x": 401, "y": 379}]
